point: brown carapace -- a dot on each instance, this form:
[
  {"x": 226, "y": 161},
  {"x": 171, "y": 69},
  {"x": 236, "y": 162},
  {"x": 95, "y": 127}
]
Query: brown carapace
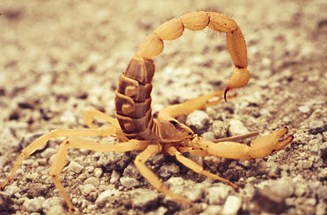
[{"x": 136, "y": 129}]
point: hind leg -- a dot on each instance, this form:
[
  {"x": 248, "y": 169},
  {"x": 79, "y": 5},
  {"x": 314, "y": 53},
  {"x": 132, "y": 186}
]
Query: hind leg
[
  {"x": 59, "y": 160},
  {"x": 41, "y": 141}
]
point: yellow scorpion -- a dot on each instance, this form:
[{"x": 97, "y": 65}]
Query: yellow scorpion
[{"x": 136, "y": 129}]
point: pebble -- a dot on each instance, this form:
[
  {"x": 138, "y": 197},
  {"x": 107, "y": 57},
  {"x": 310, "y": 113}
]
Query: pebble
[
  {"x": 104, "y": 197},
  {"x": 323, "y": 173},
  {"x": 33, "y": 205},
  {"x": 52, "y": 205},
  {"x": 48, "y": 152},
  {"x": 217, "y": 194},
  {"x": 220, "y": 129},
  {"x": 144, "y": 198},
  {"x": 322, "y": 192},
  {"x": 129, "y": 182},
  {"x": 316, "y": 127},
  {"x": 86, "y": 189},
  {"x": 113, "y": 161},
  {"x": 323, "y": 152},
  {"x": 188, "y": 188},
  {"x": 131, "y": 171},
  {"x": 75, "y": 167},
  {"x": 98, "y": 172},
  {"x": 198, "y": 121},
  {"x": 304, "y": 164},
  {"x": 115, "y": 176},
  {"x": 12, "y": 189},
  {"x": 321, "y": 208},
  {"x": 236, "y": 127},
  {"x": 271, "y": 195},
  {"x": 92, "y": 180},
  {"x": 68, "y": 117},
  {"x": 89, "y": 191},
  {"x": 304, "y": 109},
  {"x": 212, "y": 210},
  {"x": 283, "y": 187},
  {"x": 232, "y": 205},
  {"x": 89, "y": 169},
  {"x": 55, "y": 210},
  {"x": 169, "y": 169},
  {"x": 159, "y": 211}
]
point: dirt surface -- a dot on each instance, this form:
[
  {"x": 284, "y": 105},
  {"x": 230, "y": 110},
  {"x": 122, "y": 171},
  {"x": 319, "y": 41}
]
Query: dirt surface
[{"x": 60, "y": 57}]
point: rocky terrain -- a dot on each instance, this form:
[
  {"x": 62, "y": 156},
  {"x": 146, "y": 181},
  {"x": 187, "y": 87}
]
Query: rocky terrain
[{"x": 60, "y": 57}]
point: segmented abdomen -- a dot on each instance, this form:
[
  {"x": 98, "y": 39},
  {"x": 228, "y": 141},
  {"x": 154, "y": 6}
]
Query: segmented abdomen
[{"x": 133, "y": 100}]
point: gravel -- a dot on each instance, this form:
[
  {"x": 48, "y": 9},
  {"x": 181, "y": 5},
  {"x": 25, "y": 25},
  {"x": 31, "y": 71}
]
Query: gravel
[
  {"x": 232, "y": 205},
  {"x": 57, "y": 60}
]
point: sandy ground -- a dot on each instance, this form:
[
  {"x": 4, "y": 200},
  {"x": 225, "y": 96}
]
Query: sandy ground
[{"x": 60, "y": 57}]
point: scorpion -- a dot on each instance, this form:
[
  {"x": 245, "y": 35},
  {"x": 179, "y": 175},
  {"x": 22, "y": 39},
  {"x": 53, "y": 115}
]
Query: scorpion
[{"x": 137, "y": 129}]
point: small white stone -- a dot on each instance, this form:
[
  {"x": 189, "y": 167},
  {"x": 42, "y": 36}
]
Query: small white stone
[
  {"x": 236, "y": 127},
  {"x": 47, "y": 153},
  {"x": 198, "y": 121},
  {"x": 219, "y": 129},
  {"x": 12, "y": 189},
  {"x": 104, "y": 197},
  {"x": 86, "y": 189},
  {"x": 33, "y": 205},
  {"x": 143, "y": 198},
  {"x": 304, "y": 109},
  {"x": 115, "y": 175},
  {"x": 212, "y": 210},
  {"x": 92, "y": 180},
  {"x": 129, "y": 182},
  {"x": 217, "y": 194},
  {"x": 97, "y": 172},
  {"x": 232, "y": 205},
  {"x": 68, "y": 117},
  {"x": 53, "y": 204},
  {"x": 75, "y": 167}
]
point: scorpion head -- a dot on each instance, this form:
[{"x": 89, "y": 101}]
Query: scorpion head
[{"x": 173, "y": 131}]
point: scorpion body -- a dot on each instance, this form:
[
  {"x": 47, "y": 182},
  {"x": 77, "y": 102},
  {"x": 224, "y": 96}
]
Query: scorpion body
[
  {"x": 133, "y": 100},
  {"x": 136, "y": 129},
  {"x": 133, "y": 95}
]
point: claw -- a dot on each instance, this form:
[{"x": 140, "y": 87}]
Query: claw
[
  {"x": 265, "y": 145},
  {"x": 225, "y": 93}
]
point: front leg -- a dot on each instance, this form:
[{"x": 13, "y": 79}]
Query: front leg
[
  {"x": 151, "y": 177},
  {"x": 189, "y": 106},
  {"x": 171, "y": 150},
  {"x": 260, "y": 147}
]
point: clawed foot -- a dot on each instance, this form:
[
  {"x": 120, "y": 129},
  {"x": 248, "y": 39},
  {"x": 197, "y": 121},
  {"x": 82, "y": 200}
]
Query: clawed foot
[{"x": 266, "y": 144}]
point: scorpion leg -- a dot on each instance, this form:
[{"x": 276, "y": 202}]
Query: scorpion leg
[
  {"x": 196, "y": 167},
  {"x": 151, "y": 177},
  {"x": 59, "y": 160},
  {"x": 260, "y": 147},
  {"x": 90, "y": 114},
  {"x": 39, "y": 142}
]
